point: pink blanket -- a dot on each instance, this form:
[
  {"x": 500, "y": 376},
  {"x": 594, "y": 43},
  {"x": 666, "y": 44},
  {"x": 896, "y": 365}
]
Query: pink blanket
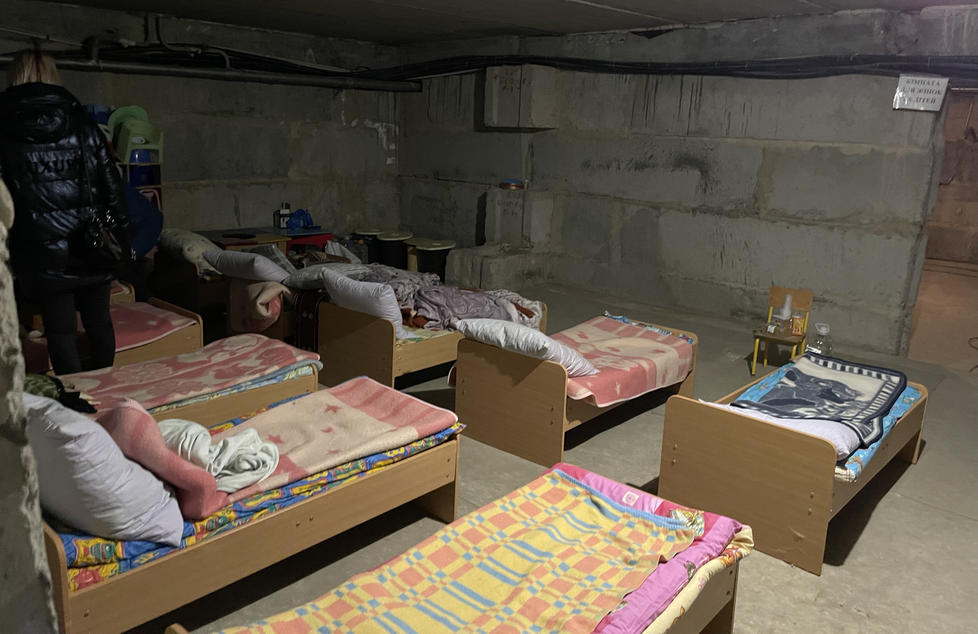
[
  {"x": 140, "y": 323},
  {"x": 215, "y": 367},
  {"x": 354, "y": 419},
  {"x": 631, "y": 360},
  {"x": 640, "y": 608},
  {"x": 135, "y": 324}
]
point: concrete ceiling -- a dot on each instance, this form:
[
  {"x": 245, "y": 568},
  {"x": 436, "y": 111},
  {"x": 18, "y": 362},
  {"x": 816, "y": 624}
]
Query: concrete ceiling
[{"x": 403, "y": 21}]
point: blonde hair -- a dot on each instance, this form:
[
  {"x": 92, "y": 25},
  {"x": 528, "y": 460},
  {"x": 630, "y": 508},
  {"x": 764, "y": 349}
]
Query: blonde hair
[{"x": 32, "y": 66}]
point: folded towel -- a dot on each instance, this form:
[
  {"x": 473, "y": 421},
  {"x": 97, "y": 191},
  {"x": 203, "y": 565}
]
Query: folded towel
[
  {"x": 137, "y": 435},
  {"x": 235, "y": 461}
]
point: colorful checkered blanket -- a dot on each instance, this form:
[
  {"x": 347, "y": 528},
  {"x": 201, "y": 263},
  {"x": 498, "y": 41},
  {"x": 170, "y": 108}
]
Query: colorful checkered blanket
[{"x": 555, "y": 555}]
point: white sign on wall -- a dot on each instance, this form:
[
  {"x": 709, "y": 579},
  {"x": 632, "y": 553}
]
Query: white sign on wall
[{"x": 920, "y": 92}]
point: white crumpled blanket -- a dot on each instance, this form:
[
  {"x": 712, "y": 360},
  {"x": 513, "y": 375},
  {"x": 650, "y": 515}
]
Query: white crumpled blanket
[{"x": 235, "y": 462}]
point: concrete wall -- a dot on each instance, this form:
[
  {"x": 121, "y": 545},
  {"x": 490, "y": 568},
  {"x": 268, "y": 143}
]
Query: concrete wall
[
  {"x": 234, "y": 150},
  {"x": 702, "y": 192},
  {"x": 952, "y": 232},
  {"x": 25, "y": 582}
]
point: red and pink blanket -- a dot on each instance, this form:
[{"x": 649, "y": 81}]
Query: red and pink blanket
[
  {"x": 631, "y": 360},
  {"x": 215, "y": 367},
  {"x": 330, "y": 427}
]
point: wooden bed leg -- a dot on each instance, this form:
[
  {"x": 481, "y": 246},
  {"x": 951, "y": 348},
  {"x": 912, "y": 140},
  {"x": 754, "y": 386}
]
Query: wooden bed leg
[
  {"x": 442, "y": 503},
  {"x": 911, "y": 451},
  {"x": 723, "y": 622},
  {"x": 58, "y": 565}
]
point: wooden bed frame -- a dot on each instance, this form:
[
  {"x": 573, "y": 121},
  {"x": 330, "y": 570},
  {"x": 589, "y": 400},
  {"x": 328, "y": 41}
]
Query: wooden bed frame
[
  {"x": 146, "y": 592},
  {"x": 779, "y": 481},
  {"x": 186, "y": 339},
  {"x": 355, "y": 344},
  {"x": 711, "y": 613},
  {"x": 519, "y": 404}
]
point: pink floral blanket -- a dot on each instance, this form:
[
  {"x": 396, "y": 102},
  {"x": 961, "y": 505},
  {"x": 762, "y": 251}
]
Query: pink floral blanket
[
  {"x": 135, "y": 324},
  {"x": 140, "y": 323},
  {"x": 331, "y": 427},
  {"x": 631, "y": 360},
  {"x": 215, "y": 367}
]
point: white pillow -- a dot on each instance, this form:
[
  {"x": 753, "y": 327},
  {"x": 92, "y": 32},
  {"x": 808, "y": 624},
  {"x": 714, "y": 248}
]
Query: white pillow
[
  {"x": 188, "y": 245},
  {"x": 366, "y": 297},
  {"x": 86, "y": 482},
  {"x": 311, "y": 277},
  {"x": 525, "y": 340},
  {"x": 245, "y": 266}
]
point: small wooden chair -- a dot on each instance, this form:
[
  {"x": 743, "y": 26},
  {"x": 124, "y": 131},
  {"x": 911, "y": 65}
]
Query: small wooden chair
[{"x": 801, "y": 301}]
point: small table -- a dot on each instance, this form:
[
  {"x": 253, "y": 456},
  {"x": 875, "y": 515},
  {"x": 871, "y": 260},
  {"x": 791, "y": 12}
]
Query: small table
[{"x": 248, "y": 237}]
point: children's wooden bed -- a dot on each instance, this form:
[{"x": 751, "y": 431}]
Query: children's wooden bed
[
  {"x": 143, "y": 593},
  {"x": 186, "y": 339},
  {"x": 519, "y": 404},
  {"x": 780, "y": 481},
  {"x": 701, "y": 598},
  {"x": 711, "y": 613},
  {"x": 222, "y": 405},
  {"x": 353, "y": 344}
]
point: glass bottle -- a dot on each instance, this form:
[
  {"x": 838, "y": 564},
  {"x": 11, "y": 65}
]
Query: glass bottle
[{"x": 821, "y": 343}]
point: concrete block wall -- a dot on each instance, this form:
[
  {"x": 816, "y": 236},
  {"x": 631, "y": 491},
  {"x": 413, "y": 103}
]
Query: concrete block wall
[
  {"x": 952, "y": 232},
  {"x": 702, "y": 192},
  {"x": 234, "y": 150}
]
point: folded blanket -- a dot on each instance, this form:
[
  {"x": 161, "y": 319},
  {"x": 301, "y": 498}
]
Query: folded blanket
[
  {"x": 329, "y": 427},
  {"x": 236, "y": 461},
  {"x": 818, "y": 387},
  {"x": 631, "y": 360},
  {"x": 254, "y": 306}
]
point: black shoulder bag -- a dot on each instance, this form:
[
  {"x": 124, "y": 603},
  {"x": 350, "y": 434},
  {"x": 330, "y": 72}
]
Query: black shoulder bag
[{"x": 96, "y": 242}]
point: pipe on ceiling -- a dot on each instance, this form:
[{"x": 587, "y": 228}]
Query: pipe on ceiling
[{"x": 288, "y": 79}]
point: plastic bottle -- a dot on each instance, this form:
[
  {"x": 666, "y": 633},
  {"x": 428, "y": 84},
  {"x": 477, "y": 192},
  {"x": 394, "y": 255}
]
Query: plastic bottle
[{"x": 821, "y": 343}]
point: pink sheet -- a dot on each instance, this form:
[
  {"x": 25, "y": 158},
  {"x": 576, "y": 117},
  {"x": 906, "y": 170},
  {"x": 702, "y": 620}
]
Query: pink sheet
[
  {"x": 631, "y": 360},
  {"x": 642, "y": 606},
  {"x": 331, "y": 427},
  {"x": 215, "y": 367},
  {"x": 135, "y": 324}
]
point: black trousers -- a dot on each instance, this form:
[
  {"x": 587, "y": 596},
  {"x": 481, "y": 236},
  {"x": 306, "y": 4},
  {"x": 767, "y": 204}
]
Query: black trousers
[{"x": 61, "y": 325}]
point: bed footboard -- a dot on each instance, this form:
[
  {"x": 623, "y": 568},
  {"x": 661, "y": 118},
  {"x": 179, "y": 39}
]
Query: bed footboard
[
  {"x": 353, "y": 344},
  {"x": 777, "y": 480},
  {"x": 512, "y": 402}
]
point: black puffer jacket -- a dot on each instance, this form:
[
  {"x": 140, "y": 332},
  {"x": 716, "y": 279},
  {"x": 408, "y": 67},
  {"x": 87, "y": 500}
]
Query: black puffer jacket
[{"x": 42, "y": 129}]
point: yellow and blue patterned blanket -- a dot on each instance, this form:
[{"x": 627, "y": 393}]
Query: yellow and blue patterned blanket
[{"x": 554, "y": 555}]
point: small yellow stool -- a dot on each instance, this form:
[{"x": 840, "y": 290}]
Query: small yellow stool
[{"x": 801, "y": 301}]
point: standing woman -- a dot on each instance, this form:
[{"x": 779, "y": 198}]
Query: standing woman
[{"x": 68, "y": 240}]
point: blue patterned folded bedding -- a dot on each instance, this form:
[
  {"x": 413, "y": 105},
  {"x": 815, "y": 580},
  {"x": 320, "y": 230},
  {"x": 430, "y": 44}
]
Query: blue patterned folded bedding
[{"x": 849, "y": 469}]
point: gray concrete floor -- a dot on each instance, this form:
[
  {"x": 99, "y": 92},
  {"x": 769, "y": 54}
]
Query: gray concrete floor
[
  {"x": 901, "y": 557},
  {"x": 946, "y": 315}
]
